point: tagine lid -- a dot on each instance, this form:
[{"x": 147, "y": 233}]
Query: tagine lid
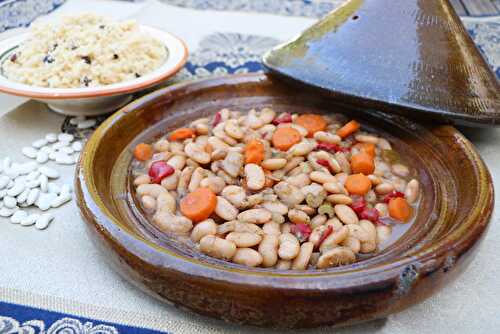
[{"x": 412, "y": 57}]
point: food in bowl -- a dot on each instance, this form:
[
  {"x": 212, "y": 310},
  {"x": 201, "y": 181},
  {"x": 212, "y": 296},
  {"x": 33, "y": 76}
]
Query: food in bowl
[
  {"x": 285, "y": 191},
  {"x": 84, "y": 50}
]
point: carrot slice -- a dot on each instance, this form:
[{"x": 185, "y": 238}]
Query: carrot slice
[
  {"x": 399, "y": 209},
  {"x": 348, "y": 129},
  {"x": 358, "y": 184},
  {"x": 199, "y": 204},
  {"x": 181, "y": 134},
  {"x": 362, "y": 163},
  {"x": 312, "y": 123},
  {"x": 254, "y": 152},
  {"x": 286, "y": 137},
  {"x": 367, "y": 148},
  {"x": 143, "y": 152}
]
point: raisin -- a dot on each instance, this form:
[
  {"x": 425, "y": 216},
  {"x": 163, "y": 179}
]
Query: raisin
[
  {"x": 137, "y": 75},
  {"x": 115, "y": 56},
  {"x": 86, "y": 81},
  {"x": 13, "y": 58}
]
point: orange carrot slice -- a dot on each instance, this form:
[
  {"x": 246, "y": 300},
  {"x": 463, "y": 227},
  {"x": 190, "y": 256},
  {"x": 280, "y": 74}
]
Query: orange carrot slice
[
  {"x": 399, "y": 209},
  {"x": 348, "y": 129},
  {"x": 358, "y": 184},
  {"x": 362, "y": 163},
  {"x": 367, "y": 148},
  {"x": 143, "y": 152},
  {"x": 312, "y": 123},
  {"x": 286, "y": 137},
  {"x": 254, "y": 152},
  {"x": 199, "y": 204},
  {"x": 181, "y": 134}
]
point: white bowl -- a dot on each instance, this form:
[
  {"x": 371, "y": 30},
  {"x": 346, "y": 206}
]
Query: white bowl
[{"x": 92, "y": 101}]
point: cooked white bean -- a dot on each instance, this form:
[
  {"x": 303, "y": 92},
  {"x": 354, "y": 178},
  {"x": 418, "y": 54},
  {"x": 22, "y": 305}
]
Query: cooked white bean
[
  {"x": 177, "y": 162},
  {"x": 356, "y": 231},
  {"x": 346, "y": 214},
  {"x": 301, "y": 149},
  {"x": 368, "y": 246},
  {"x": 267, "y": 115},
  {"x": 198, "y": 175},
  {"x": 299, "y": 180},
  {"x": 197, "y": 153},
  {"x": 283, "y": 264},
  {"x": 232, "y": 163},
  {"x": 276, "y": 206},
  {"x": 274, "y": 163},
  {"x": 204, "y": 228},
  {"x": 161, "y": 145},
  {"x": 302, "y": 259},
  {"x": 382, "y": 209},
  {"x": 255, "y": 177},
  {"x": 289, "y": 246},
  {"x": 412, "y": 191},
  {"x": 217, "y": 247},
  {"x": 168, "y": 222},
  {"x": 268, "y": 248},
  {"x": 149, "y": 202},
  {"x": 184, "y": 179},
  {"x": 340, "y": 199},
  {"x": 334, "y": 239},
  {"x": 400, "y": 170},
  {"x": 244, "y": 239},
  {"x": 214, "y": 183},
  {"x": 142, "y": 179},
  {"x": 369, "y": 228},
  {"x": 327, "y": 137},
  {"x": 271, "y": 228},
  {"x": 233, "y": 129},
  {"x": 248, "y": 257},
  {"x": 153, "y": 190},
  {"x": 318, "y": 220},
  {"x": 384, "y": 188},
  {"x": 343, "y": 162},
  {"x": 366, "y": 139},
  {"x": 255, "y": 216},
  {"x": 166, "y": 202},
  {"x": 171, "y": 181},
  {"x": 289, "y": 194},
  {"x": 225, "y": 210},
  {"x": 253, "y": 120},
  {"x": 322, "y": 178},
  {"x": 352, "y": 243},
  {"x": 317, "y": 234},
  {"x": 335, "y": 188},
  {"x": 383, "y": 233},
  {"x": 235, "y": 194},
  {"x": 298, "y": 217},
  {"x": 292, "y": 163},
  {"x": 335, "y": 257}
]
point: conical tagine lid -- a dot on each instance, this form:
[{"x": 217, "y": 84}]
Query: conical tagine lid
[{"x": 403, "y": 56}]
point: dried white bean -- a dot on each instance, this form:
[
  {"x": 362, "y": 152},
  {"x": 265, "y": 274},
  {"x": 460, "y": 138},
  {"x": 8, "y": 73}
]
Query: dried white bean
[
  {"x": 22, "y": 197},
  {"x": 32, "y": 196},
  {"x": 9, "y": 202},
  {"x": 4, "y": 181},
  {"x": 44, "y": 183},
  {"x": 49, "y": 172},
  {"x": 43, "y": 221},
  {"x": 16, "y": 189},
  {"x": 44, "y": 201},
  {"x": 30, "y": 219},
  {"x": 39, "y": 143},
  {"x": 7, "y": 212},
  {"x": 29, "y": 151},
  {"x": 77, "y": 146},
  {"x": 18, "y": 216},
  {"x": 65, "y": 137},
  {"x": 86, "y": 124},
  {"x": 51, "y": 137},
  {"x": 42, "y": 157}
]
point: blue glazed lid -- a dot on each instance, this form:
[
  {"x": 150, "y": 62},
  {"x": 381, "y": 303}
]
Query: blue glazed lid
[{"x": 412, "y": 57}]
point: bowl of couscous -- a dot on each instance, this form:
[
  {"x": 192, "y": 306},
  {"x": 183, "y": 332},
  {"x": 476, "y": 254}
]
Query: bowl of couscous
[{"x": 87, "y": 64}]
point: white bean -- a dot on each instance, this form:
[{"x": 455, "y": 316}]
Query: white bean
[
  {"x": 43, "y": 221},
  {"x": 274, "y": 163},
  {"x": 335, "y": 257},
  {"x": 255, "y": 216},
  {"x": 412, "y": 191},
  {"x": 298, "y": 217},
  {"x": 334, "y": 239},
  {"x": 340, "y": 199},
  {"x": 289, "y": 246},
  {"x": 177, "y": 162},
  {"x": 153, "y": 190},
  {"x": 49, "y": 172},
  {"x": 302, "y": 259},
  {"x": 244, "y": 239},
  {"x": 171, "y": 181},
  {"x": 225, "y": 210},
  {"x": 283, "y": 264},
  {"x": 18, "y": 216},
  {"x": 197, "y": 153},
  {"x": 400, "y": 170},
  {"x": 168, "y": 222},
  {"x": 204, "y": 228},
  {"x": 233, "y": 129},
  {"x": 235, "y": 194},
  {"x": 217, "y": 247},
  {"x": 248, "y": 257},
  {"x": 255, "y": 177},
  {"x": 383, "y": 233},
  {"x": 268, "y": 248},
  {"x": 29, "y": 151},
  {"x": 346, "y": 214},
  {"x": 148, "y": 202},
  {"x": 30, "y": 220},
  {"x": 214, "y": 183},
  {"x": 321, "y": 177},
  {"x": 289, "y": 194},
  {"x": 142, "y": 179},
  {"x": 327, "y": 137},
  {"x": 232, "y": 163}
]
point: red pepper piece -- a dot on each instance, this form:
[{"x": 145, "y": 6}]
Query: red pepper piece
[
  {"x": 358, "y": 204},
  {"x": 160, "y": 170},
  {"x": 217, "y": 119},
  {"x": 332, "y": 148},
  {"x": 370, "y": 214},
  {"x": 393, "y": 194},
  {"x": 323, "y": 162},
  {"x": 301, "y": 231},
  {"x": 285, "y": 118},
  {"x": 325, "y": 235}
]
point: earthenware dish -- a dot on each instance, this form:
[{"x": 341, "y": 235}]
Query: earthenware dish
[
  {"x": 94, "y": 101},
  {"x": 454, "y": 213}
]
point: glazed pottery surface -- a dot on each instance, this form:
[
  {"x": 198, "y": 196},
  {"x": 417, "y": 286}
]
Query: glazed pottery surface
[
  {"x": 412, "y": 57},
  {"x": 454, "y": 213}
]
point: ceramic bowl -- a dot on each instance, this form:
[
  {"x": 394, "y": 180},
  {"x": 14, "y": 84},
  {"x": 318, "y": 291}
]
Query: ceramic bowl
[
  {"x": 454, "y": 213},
  {"x": 94, "y": 101}
]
